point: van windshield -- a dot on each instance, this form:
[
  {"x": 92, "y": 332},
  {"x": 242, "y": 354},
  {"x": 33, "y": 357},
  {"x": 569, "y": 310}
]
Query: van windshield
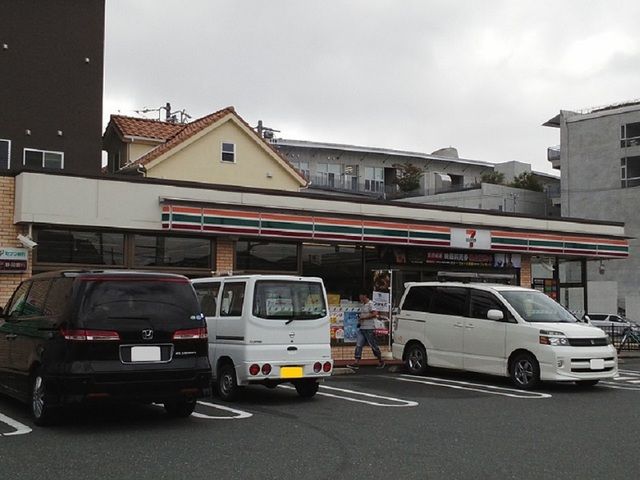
[
  {"x": 288, "y": 300},
  {"x": 537, "y": 307},
  {"x": 106, "y": 300}
]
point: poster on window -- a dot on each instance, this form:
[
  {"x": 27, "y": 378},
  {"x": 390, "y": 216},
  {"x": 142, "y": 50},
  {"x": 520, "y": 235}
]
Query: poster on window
[
  {"x": 382, "y": 300},
  {"x": 350, "y": 328}
]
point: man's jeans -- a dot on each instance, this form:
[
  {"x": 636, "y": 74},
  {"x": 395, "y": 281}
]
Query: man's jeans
[{"x": 364, "y": 337}]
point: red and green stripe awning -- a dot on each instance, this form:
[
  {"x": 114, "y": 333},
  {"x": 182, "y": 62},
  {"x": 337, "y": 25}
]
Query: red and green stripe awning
[{"x": 320, "y": 228}]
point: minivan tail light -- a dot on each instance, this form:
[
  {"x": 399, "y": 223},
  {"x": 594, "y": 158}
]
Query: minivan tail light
[
  {"x": 254, "y": 369},
  {"x": 317, "y": 367},
  {"x": 191, "y": 334},
  {"x": 326, "y": 367},
  {"x": 84, "y": 335}
]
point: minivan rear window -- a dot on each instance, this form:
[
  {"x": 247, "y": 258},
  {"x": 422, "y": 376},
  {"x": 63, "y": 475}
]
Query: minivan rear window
[
  {"x": 107, "y": 300},
  {"x": 289, "y": 300}
]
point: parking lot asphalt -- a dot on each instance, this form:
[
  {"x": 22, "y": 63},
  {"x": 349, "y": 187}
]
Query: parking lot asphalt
[{"x": 371, "y": 424}]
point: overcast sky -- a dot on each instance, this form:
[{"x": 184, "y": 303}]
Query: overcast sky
[{"x": 481, "y": 76}]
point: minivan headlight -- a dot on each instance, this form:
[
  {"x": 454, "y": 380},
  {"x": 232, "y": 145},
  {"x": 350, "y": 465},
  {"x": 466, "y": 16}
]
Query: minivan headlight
[{"x": 553, "y": 338}]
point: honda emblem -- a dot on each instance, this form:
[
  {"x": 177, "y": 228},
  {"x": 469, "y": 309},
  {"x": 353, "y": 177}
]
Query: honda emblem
[{"x": 147, "y": 334}]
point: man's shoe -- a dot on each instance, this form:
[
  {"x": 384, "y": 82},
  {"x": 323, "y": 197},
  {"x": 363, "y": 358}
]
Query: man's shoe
[
  {"x": 381, "y": 365},
  {"x": 353, "y": 366}
]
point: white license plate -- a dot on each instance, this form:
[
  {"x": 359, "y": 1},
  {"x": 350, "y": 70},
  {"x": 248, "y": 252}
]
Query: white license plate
[
  {"x": 145, "y": 354},
  {"x": 597, "y": 364}
]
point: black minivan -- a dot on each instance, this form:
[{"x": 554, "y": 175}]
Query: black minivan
[{"x": 73, "y": 336}]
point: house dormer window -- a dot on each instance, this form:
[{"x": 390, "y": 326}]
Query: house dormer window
[
  {"x": 5, "y": 154},
  {"x": 43, "y": 159},
  {"x": 228, "y": 152}
]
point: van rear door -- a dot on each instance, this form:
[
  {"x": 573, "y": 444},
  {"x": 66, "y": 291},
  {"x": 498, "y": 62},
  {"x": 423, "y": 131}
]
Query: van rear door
[{"x": 290, "y": 313}]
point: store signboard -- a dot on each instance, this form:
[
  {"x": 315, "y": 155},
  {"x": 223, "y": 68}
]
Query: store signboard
[
  {"x": 13, "y": 260},
  {"x": 471, "y": 238}
]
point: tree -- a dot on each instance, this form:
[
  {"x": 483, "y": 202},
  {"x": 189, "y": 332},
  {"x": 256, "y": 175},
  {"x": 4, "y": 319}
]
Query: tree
[
  {"x": 408, "y": 178},
  {"x": 494, "y": 177},
  {"x": 527, "y": 181}
]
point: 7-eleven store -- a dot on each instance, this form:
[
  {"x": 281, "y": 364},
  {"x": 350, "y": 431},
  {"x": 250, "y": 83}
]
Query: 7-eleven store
[{"x": 196, "y": 229}]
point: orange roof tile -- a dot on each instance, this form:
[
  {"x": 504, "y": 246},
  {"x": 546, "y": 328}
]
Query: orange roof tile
[{"x": 144, "y": 127}]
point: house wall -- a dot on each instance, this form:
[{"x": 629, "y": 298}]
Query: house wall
[
  {"x": 590, "y": 164},
  {"x": 8, "y": 233},
  {"x": 137, "y": 149},
  {"x": 200, "y": 161},
  {"x": 52, "y": 80}
]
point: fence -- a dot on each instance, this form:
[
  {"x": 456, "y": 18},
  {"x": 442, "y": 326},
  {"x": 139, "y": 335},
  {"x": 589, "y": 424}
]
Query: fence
[{"x": 616, "y": 333}]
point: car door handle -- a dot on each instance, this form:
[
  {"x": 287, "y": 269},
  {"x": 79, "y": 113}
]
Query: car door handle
[
  {"x": 458, "y": 325},
  {"x": 11, "y": 336},
  {"x": 469, "y": 326}
]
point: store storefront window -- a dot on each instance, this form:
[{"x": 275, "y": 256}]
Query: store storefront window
[
  {"x": 264, "y": 256},
  {"x": 339, "y": 266},
  {"x": 162, "y": 251},
  {"x": 79, "y": 247}
]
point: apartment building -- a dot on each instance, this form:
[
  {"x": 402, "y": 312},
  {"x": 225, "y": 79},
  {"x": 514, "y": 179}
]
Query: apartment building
[{"x": 599, "y": 161}]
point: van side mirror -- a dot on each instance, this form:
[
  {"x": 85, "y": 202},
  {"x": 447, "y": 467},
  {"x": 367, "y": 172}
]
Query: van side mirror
[
  {"x": 586, "y": 319},
  {"x": 494, "y": 314},
  {"x": 395, "y": 311}
]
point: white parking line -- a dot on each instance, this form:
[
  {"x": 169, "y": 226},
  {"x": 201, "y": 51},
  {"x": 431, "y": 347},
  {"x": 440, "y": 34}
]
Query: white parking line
[
  {"x": 399, "y": 402},
  {"x": 239, "y": 413},
  {"x": 21, "y": 429},
  {"x": 474, "y": 387},
  {"x": 620, "y": 386}
]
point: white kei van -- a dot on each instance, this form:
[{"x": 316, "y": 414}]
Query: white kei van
[
  {"x": 266, "y": 329},
  {"x": 500, "y": 330}
]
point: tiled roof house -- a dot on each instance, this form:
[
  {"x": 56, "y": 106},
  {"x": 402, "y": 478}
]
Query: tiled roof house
[{"x": 220, "y": 148}]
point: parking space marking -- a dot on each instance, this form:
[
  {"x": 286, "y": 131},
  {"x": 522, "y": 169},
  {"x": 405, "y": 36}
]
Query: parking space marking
[
  {"x": 239, "y": 413},
  {"x": 625, "y": 380},
  {"x": 399, "y": 403},
  {"x": 20, "y": 428},
  {"x": 474, "y": 387}
]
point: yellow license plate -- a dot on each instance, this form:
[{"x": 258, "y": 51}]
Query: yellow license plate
[{"x": 291, "y": 372}]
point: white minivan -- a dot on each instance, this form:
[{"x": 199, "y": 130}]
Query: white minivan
[
  {"x": 266, "y": 329},
  {"x": 500, "y": 330}
]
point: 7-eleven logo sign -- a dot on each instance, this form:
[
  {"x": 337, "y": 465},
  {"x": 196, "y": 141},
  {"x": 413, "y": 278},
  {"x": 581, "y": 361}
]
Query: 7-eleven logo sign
[{"x": 470, "y": 237}]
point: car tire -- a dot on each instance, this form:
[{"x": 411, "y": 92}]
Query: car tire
[
  {"x": 524, "y": 371},
  {"x": 307, "y": 388},
  {"x": 181, "y": 408},
  {"x": 42, "y": 413},
  {"x": 415, "y": 359},
  {"x": 227, "y": 383},
  {"x": 587, "y": 383}
]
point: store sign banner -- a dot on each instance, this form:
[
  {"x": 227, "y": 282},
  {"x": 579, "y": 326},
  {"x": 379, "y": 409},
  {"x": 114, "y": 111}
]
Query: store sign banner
[
  {"x": 13, "y": 260},
  {"x": 471, "y": 238}
]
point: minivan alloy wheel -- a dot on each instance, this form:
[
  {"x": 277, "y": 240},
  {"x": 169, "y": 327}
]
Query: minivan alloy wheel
[
  {"x": 416, "y": 360},
  {"x": 525, "y": 371}
]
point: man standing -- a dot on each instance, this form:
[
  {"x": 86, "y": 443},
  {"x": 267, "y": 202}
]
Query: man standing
[{"x": 366, "y": 332}]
